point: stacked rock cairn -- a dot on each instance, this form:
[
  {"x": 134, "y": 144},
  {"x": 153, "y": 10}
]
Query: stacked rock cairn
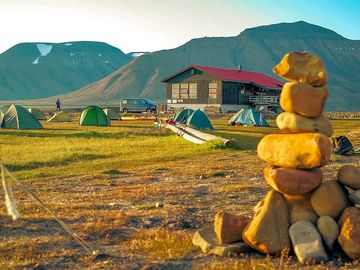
[{"x": 302, "y": 212}]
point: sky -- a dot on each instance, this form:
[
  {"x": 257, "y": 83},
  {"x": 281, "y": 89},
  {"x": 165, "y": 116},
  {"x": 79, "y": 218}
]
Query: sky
[{"x": 151, "y": 25}]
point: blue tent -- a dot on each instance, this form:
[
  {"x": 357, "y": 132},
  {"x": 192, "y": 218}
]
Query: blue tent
[
  {"x": 249, "y": 117},
  {"x": 182, "y": 116},
  {"x": 199, "y": 120}
]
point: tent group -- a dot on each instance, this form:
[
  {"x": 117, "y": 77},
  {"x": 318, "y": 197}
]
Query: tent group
[
  {"x": 17, "y": 117},
  {"x": 248, "y": 117},
  {"x": 194, "y": 119}
]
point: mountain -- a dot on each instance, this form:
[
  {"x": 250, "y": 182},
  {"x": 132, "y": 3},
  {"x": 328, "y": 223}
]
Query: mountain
[
  {"x": 255, "y": 49},
  {"x": 36, "y": 70}
]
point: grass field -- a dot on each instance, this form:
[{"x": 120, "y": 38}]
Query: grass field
[{"x": 105, "y": 184}]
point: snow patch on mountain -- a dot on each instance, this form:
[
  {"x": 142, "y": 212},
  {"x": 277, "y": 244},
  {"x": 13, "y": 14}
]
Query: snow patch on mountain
[
  {"x": 68, "y": 44},
  {"x": 44, "y": 50}
]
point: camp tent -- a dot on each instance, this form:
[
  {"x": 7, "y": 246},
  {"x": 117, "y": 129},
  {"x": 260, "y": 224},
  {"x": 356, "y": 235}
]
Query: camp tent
[
  {"x": 249, "y": 117},
  {"x": 4, "y": 108},
  {"x": 17, "y": 117},
  {"x": 199, "y": 120},
  {"x": 182, "y": 116},
  {"x": 94, "y": 116},
  {"x": 60, "y": 116},
  {"x": 111, "y": 114},
  {"x": 39, "y": 115}
]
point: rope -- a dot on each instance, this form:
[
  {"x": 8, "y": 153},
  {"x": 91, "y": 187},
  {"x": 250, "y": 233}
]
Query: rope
[{"x": 77, "y": 238}]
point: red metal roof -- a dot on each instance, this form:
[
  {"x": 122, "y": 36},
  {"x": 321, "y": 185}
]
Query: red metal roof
[{"x": 241, "y": 76}]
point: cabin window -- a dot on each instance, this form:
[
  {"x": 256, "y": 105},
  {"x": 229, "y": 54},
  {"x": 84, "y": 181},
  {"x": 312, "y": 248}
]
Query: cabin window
[
  {"x": 184, "y": 90},
  {"x": 175, "y": 90},
  {"x": 212, "y": 90},
  {"x": 193, "y": 90}
]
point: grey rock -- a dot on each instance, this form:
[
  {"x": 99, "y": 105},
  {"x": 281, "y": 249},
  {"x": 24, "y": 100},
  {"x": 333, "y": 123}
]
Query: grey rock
[{"x": 306, "y": 242}]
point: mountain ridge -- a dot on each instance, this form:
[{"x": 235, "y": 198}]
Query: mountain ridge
[{"x": 256, "y": 49}]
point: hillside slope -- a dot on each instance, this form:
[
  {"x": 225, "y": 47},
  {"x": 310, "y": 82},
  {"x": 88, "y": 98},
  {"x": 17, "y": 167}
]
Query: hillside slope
[
  {"x": 35, "y": 70},
  {"x": 255, "y": 49}
]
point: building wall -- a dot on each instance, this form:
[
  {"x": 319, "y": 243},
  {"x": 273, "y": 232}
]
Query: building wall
[{"x": 202, "y": 81}]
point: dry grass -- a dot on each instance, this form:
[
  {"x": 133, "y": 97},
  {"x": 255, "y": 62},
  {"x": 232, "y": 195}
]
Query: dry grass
[{"x": 106, "y": 182}]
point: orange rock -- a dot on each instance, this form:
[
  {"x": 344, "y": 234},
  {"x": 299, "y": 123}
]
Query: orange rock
[
  {"x": 268, "y": 231},
  {"x": 229, "y": 227},
  {"x": 349, "y": 237},
  {"x": 302, "y": 67},
  {"x": 329, "y": 199},
  {"x": 303, "y": 98},
  {"x": 300, "y": 208},
  {"x": 302, "y": 151},
  {"x": 292, "y": 181},
  {"x": 296, "y": 123},
  {"x": 350, "y": 176}
]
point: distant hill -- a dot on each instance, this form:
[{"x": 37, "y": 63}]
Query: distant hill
[
  {"x": 36, "y": 70},
  {"x": 256, "y": 49}
]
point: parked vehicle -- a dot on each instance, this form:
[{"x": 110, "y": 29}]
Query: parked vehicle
[{"x": 137, "y": 105}]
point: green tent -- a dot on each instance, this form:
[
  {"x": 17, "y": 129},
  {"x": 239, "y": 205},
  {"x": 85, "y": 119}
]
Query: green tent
[
  {"x": 182, "y": 116},
  {"x": 17, "y": 117},
  {"x": 4, "y": 108},
  {"x": 111, "y": 114},
  {"x": 60, "y": 116},
  {"x": 199, "y": 120},
  {"x": 249, "y": 117},
  {"x": 39, "y": 115},
  {"x": 94, "y": 116}
]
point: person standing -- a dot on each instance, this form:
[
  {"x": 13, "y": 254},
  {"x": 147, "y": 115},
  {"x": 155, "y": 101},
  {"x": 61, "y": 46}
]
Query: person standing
[{"x": 58, "y": 104}]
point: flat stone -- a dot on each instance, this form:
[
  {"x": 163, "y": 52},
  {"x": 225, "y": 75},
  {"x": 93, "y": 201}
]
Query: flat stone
[
  {"x": 300, "y": 208},
  {"x": 349, "y": 237},
  {"x": 229, "y": 227},
  {"x": 296, "y": 123},
  {"x": 268, "y": 231},
  {"x": 350, "y": 176},
  {"x": 302, "y": 151},
  {"x": 354, "y": 197},
  {"x": 207, "y": 240},
  {"x": 307, "y": 242},
  {"x": 328, "y": 229},
  {"x": 303, "y": 67},
  {"x": 329, "y": 199},
  {"x": 303, "y": 99},
  {"x": 292, "y": 181}
]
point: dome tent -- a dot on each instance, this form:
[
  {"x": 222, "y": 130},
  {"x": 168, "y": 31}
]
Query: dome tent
[
  {"x": 249, "y": 117},
  {"x": 111, "y": 114},
  {"x": 39, "y": 115},
  {"x": 17, "y": 117},
  {"x": 94, "y": 116},
  {"x": 199, "y": 120},
  {"x": 4, "y": 108},
  {"x": 60, "y": 117},
  {"x": 182, "y": 116}
]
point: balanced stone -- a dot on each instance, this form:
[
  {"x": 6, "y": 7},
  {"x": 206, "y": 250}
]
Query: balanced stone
[
  {"x": 306, "y": 242},
  {"x": 292, "y": 181},
  {"x": 268, "y": 231},
  {"x": 300, "y": 208},
  {"x": 350, "y": 176},
  {"x": 229, "y": 227},
  {"x": 206, "y": 239},
  {"x": 354, "y": 197},
  {"x": 328, "y": 229},
  {"x": 303, "y": 150},
  {"x": 303, "y": 99},
  {"x": 329, "y": 199},
  {"x": 302, "y": 67},
  {"x": 349, "y": 237},
  {"x": 296, "y": 123}
]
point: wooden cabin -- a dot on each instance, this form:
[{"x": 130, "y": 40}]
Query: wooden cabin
[{"x": 197, "y": 87}]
